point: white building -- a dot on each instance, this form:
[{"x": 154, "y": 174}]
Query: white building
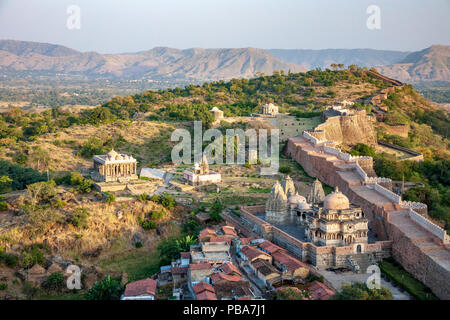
[{"x": 201, "y": 174}]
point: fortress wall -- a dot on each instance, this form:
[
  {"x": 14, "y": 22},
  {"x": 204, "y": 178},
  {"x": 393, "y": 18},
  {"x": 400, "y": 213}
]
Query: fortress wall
[
  {"x": 429, "y": 226},
  {"x": 416, "y": 261},
  {"x": 349, "y": 129},
  {"x": 421, "y": 265},
  {"x": 387, "y": 193},
  {"x": 415, "y": 156},
  {"x": 399, "y": 130},
  {"x": 361, "y": 172}
]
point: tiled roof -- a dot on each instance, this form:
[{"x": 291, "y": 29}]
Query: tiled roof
[
  {"x": 219, "y": 276},
  {"x": 206, "y": 295},
  {"x": 179, "y": 270},
  {"x": 230, "y": 268},
  {"x": 206, "y": 232},
  {"x": 289, "y": 262},
  {"x": 245, "y": 241},
  {"x": 319, "y": 291},
  {"x": 251, "y": 253},
  {"x": 264, "y": 267},
  {"x": 269, "y": 247},
  {"x": 202, "y": 286},
  {"x": 141, "y": 287},
  {"x": 229, "y": 230},
  {"x": 199, "y": 266},
  {"x": 219, "y": 239}
]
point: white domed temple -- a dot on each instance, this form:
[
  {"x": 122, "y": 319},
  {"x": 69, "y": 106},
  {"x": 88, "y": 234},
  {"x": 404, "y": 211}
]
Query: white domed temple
[{"x": 113, "y": 167}]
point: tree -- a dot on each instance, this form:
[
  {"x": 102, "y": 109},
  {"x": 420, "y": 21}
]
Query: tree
[
  {"x": 360, "y": 291},
  {"x": 168, "y": 251},
  {"x": 361, "y": 149},
  {"x": 185, "y": 243},
  {"x": 5, "y": 184},
  {"x": 41, "y": 191},
  {"x": 290, "y": 294},
  {"x": 215, "y": 211},
  {"x": 40, "y": 157},
  {"x": 106, "y": 289}
]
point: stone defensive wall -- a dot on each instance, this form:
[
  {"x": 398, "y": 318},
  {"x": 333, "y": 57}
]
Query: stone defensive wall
[
  {"x": 319, "y": 256},
  {"x": 349, "y": 129},
  {"x": 415, "y": 156},
  {"x": 422, "y": 247},
  {"x": 401, "y": 130}
]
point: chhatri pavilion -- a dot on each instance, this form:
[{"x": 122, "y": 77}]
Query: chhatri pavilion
[{"x": 114, "y": 167}]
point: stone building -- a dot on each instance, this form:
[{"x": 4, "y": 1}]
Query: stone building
[
  {"x": 317, "y": 194},
  {"x": 337, "y": 223},
  {"x": 217, "y": 113},
  {"x": 269, "y": 109},
  {"x": 329, "y": 220},
  {"x": 114, "y": 167},
  {"x": 201, "y": 174},
  {"x": 282, "y": 202}
]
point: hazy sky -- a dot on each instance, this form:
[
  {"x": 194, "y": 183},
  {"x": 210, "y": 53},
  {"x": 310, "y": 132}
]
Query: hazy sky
[{"x": 113, "y": 26}]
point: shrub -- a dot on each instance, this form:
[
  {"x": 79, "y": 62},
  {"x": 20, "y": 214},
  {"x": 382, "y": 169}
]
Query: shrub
[
  {"x": 3, "y": 286},
  {"x": 79, "y": 218},
  {"x": 138, "y": 244},
  {"x": 3, "y": 206},
  {"x": 147, "y": 224},
  {"x": 110, "y": 198},
  {"x": 143, "y": 197},
  {"x": 31, "y": 256},
  {"x": 285, "y": 170},
  {"x": 55, "y": 281},
  {"x": 168, "y": 201},
  {"x": 157, "y": 215},
  {"x": 106, "y": 289},
  {"x": 29, "y": 290},
  {"x": 9, "y": 259}
]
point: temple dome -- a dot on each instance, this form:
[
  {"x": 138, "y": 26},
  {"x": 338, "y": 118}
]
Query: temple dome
[
  {"x": 112, "y": 154},
  {"x": 304, "y": 205},
  {"x": 297, "y": 199},
  {"x": 336, "y": 201}
]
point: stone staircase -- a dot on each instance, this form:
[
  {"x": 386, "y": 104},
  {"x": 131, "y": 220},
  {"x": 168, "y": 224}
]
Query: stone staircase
[{"x": 360, "y": 262}]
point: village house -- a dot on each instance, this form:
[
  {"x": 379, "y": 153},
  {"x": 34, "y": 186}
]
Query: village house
[
  {"x": 230, "y": 268},
  {"x": 211, "y": 252},
  {"x": 199, "y": 272},
  {"x": 265, "y": 271},
  {"x": 179, "y": 275},
  {"x": 233, "y": 290},
  {"x": 319, "y": 291},
  {"x": 290, "y": 266},
  {"x": 219, "y": 277},
  {"x": 140, "y": 290},
  {"x": 206, "y": 234},
  {"x": 249, "y": 254},
  {"x": 204, "y": 291}
]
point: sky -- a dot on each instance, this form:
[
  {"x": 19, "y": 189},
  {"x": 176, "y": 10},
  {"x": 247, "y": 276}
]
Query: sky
[{"x": 118, "y": 26}]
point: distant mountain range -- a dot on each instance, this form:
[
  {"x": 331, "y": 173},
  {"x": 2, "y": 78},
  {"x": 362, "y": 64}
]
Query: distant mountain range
[{"x": 16, "y": 57}]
